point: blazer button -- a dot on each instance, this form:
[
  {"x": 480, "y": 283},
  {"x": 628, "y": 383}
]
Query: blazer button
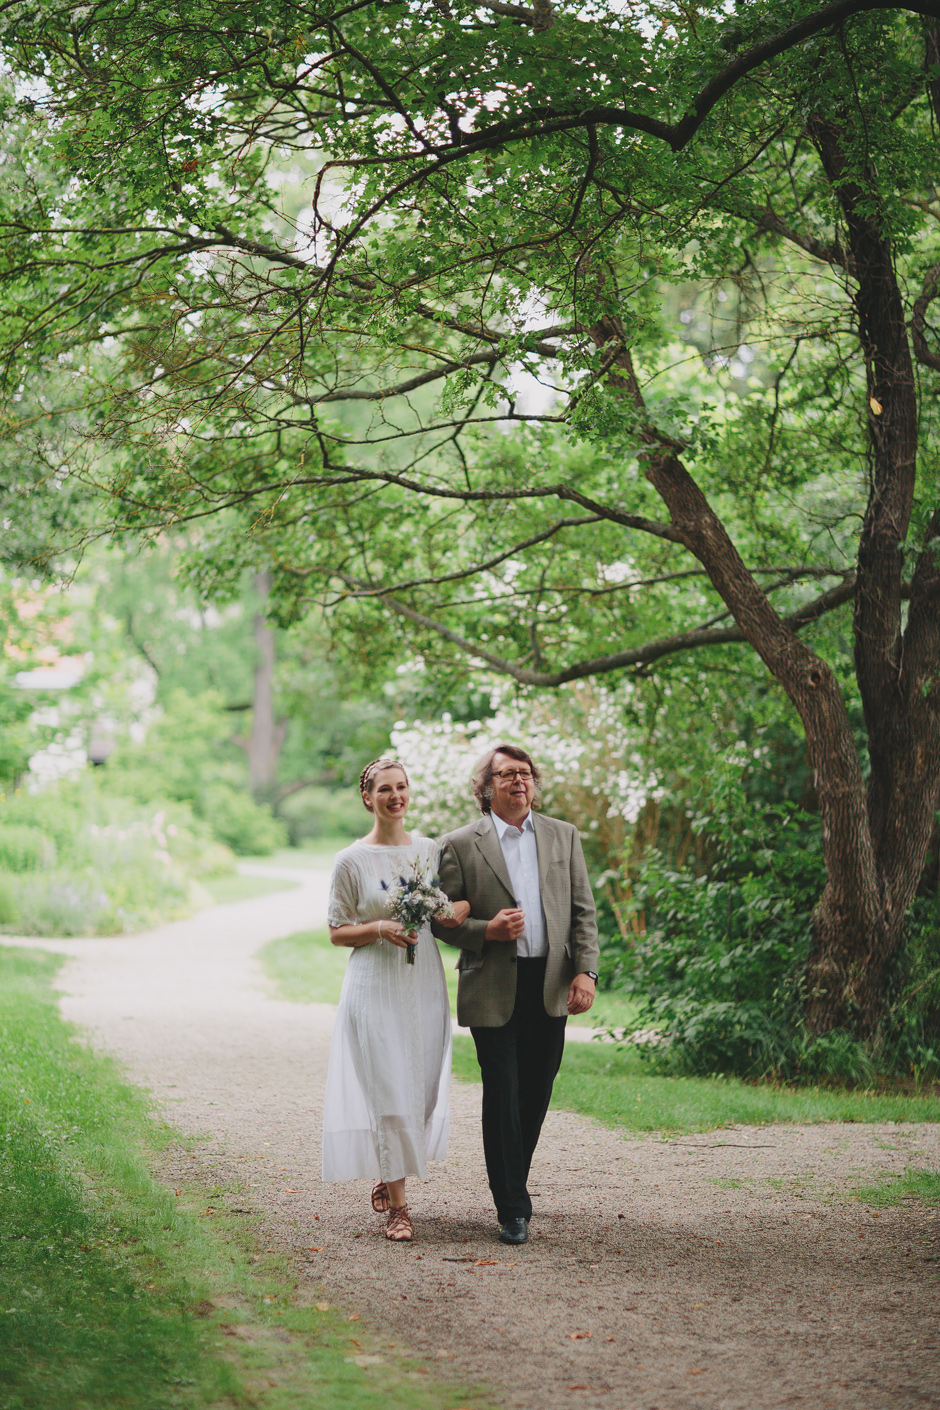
[{"x": 512, "y": 959}]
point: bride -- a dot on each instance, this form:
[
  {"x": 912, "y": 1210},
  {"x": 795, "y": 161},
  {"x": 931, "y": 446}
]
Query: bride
[{"x": 385, "y": 1113}]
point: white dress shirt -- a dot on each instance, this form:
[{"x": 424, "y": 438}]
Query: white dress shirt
[{"x": 520, "y": 853}]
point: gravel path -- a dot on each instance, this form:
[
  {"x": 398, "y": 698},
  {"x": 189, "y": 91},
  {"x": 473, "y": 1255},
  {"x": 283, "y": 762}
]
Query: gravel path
[{"x": 723, "y": 1271}]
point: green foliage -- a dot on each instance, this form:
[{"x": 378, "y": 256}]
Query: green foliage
[
  {"x": 719, "y": 971},
  {"x": 188, "y": 757},
  {"x": 249, "y": 828},
  {"x": 8, "y": 910},
  {"x": 121, "y": 865},
  {"x": 115, "y": 1291},
  {"x": 618, "y": 1088},
  {"x": 910, "y": 1038},
  {"x": 24, "y": 848},
  {"x": 315, "y": 813},
  {"x": 16, "y": 737}
]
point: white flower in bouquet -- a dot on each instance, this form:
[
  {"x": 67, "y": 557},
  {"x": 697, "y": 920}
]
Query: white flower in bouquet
[{"x": 415, "y": 899}]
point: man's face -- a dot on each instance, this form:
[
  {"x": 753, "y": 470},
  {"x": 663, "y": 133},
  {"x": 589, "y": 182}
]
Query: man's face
[{"x": 513, "y": 786}]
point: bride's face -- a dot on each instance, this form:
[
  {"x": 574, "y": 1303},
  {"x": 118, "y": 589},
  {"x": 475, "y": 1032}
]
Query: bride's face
[{"x": 390, "y": 795}]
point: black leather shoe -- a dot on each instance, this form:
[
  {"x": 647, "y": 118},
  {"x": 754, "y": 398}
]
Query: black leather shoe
[{"x": 513, "y": 1231}]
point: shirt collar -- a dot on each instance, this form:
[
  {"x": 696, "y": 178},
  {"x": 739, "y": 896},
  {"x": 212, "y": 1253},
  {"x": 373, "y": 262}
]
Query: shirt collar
[{"x": 502, "y": 827}]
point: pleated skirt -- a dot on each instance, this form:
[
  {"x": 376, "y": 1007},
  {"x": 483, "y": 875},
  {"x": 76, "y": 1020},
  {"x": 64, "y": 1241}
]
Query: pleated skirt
[{"x": 386, "y": 1109}]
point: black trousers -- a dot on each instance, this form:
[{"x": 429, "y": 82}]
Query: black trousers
[{"x": 518, "y": 1064}]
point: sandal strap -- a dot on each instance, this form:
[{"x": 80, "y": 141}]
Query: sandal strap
[{"x": 399, "y": 1223}]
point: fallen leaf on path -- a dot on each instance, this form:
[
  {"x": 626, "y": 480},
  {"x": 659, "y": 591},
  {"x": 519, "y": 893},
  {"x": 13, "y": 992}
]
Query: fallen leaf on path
[
  {"x": 314, "y": 1248},
  {"x": 323, "y": 1307},
  {"x": 697, "y": 1371},
  {"x": 487, "y": 1263},
  {"x": 353, "y": 1317},
  {"x": 580, "y": 1336},
  {"x": 291, "y": 1192}
]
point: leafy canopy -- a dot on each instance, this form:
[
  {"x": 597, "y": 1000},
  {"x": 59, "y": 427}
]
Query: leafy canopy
[{"x": 390, "y": 295}]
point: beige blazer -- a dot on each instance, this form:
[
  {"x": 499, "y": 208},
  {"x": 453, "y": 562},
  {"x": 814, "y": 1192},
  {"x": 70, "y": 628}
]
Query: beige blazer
[{"x": 472, "y": 869}]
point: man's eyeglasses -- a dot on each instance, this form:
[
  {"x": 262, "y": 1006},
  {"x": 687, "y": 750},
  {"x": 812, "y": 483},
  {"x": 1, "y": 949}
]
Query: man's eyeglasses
[{"x": 525, "y": 774}]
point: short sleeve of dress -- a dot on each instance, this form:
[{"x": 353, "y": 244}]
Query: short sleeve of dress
[{"x": 344, "y": 894}]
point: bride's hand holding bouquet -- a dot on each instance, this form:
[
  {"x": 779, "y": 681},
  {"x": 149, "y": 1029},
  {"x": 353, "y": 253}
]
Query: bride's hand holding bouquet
[{"x": 414, "y": 900}]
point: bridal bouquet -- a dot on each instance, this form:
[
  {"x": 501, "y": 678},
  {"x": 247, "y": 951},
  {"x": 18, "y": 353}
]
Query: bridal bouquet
[{"x": 414, "y": 899}]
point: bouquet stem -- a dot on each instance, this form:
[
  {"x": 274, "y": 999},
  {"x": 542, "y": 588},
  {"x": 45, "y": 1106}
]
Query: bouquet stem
[{"x": 410, "y": 952}]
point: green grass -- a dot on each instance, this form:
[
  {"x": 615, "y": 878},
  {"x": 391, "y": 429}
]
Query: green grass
[
  {"x": 308, "y": 969},
  {"x": 118, "y": 1293},
  {"x": 320, "y": 853},
  {"x": 598, "y": 1080},
  {"x": 224, "y": 889},
  {"x": 613, "y": 1085},
  {"x": 920, "y": 1185}
]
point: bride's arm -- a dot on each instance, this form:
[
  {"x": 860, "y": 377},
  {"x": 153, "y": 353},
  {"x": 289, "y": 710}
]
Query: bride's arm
[{"x": 369, "y": 932}]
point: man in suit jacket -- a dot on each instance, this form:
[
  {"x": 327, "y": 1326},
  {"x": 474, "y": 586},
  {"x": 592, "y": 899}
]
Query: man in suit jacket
[{"x": 528, "y": 958}]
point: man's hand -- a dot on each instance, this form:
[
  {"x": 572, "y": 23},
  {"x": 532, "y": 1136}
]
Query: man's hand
[
  {"x": 581, "y": 993},
  {"x": 506, "y": 925}
]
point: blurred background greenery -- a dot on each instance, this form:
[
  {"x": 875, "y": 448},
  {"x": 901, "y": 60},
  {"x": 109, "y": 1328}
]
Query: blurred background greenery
[{"x": 151, "y": 738}]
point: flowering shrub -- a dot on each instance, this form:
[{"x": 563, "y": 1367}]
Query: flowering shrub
[{"x": 593, "y": 772}]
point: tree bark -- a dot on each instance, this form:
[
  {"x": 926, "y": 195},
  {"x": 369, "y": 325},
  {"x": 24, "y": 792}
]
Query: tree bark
[
  {"x": 267, "y": 733},
  {"x": 874, "y": 840}
]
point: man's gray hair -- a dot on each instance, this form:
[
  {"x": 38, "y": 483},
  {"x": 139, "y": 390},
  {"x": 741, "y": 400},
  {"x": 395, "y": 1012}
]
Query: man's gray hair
[{"x": 483, "y": 775}]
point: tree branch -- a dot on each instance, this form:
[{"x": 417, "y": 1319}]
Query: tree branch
[
  {"x": 931, "y": 288},
  {"x": 621, "y": 660}
]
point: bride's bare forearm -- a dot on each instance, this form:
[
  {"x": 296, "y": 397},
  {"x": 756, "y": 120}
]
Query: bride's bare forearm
[{"x": 352, "y": 936}]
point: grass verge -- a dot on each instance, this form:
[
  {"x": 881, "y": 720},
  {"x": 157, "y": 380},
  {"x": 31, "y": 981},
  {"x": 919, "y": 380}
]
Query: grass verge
[
  {"x": 920, "y": 1185},
  {"x": 613, "y": 1086},
  {"x": 225, "y": 889},
  {"x": 309, "y": 970},
  {"x": 118, "y": 1293}
]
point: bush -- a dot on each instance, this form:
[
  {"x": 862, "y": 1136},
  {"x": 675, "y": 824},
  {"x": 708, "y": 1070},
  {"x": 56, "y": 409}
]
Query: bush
[
  {"x": 249, "y": 828},
  {"x": 311, "y": 813},
  {"x": 64, "y": 904},
  {"x": 25, "y": 849},
  {"x": 8, "y": 910},
  {"x": 718, "y": 974},
  {"x": 121, "y": 866}
]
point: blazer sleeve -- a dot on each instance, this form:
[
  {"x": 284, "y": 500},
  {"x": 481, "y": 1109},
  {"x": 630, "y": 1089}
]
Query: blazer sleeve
[
  {"x": 470, "y": 935},
  {"x": 582, "y": 936}
]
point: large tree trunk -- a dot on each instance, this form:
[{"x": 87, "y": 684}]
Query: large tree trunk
[
  {"x": 854, "y": 949},
  {"x": 875, "y": 839},
  {"x": 267, "y": 733}
]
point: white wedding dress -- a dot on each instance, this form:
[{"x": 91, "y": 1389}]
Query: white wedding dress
[{"x": 386, "y": 1109}]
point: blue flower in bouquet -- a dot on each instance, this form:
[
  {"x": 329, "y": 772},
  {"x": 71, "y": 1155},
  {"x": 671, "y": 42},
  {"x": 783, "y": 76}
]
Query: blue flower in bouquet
[{"x": 415, "y": 899}]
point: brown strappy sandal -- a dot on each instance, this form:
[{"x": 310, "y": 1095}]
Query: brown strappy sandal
[
  {"x": 399, "y": 1227},
  {"x": 380, "y": 1200}
]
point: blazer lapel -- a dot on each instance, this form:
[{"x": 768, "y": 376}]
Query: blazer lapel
[
  {"x": 544, "y": 843},
  {"x": 487, "y": 840}
]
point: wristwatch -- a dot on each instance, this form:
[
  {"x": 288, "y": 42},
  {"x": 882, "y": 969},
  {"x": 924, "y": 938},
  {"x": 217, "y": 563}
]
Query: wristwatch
[{"x": 590, "y": 974}]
